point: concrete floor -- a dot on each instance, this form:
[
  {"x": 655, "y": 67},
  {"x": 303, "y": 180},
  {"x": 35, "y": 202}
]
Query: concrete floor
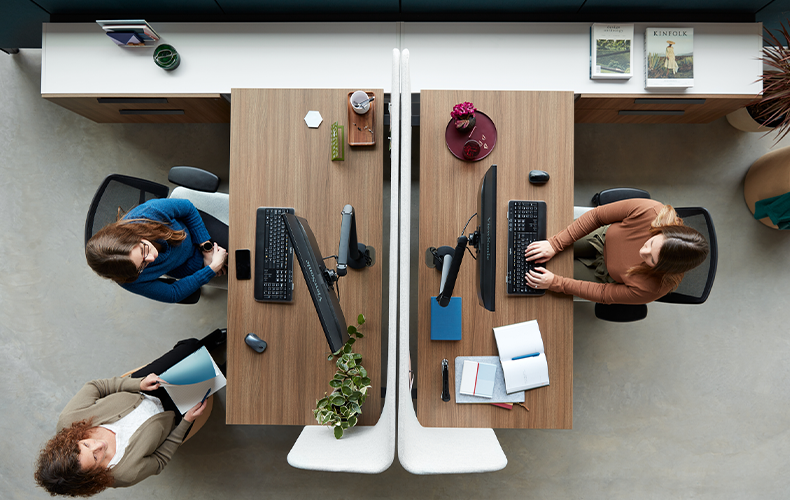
[{"x": 690, "y": 403}]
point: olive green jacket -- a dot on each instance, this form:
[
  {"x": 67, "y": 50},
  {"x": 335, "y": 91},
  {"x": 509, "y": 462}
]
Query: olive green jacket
[{"x": 150, "y": 448}]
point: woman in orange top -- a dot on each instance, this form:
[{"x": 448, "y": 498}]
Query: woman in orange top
[{"x": 645, "y": 251}]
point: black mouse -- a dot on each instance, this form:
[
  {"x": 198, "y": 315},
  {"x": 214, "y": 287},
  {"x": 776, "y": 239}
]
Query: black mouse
[
  {"x": 255, "y": 342},
  {"x": 538, "y": 176}
]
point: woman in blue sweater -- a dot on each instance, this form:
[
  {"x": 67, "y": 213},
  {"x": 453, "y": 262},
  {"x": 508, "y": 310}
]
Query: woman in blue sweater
[{"x": 162, "y": 236}]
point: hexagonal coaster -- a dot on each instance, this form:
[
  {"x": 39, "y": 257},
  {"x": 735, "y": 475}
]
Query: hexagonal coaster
[{"x": 313, "y": 119}]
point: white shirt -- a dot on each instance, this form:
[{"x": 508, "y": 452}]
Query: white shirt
[{"x": 125, "y": 428}]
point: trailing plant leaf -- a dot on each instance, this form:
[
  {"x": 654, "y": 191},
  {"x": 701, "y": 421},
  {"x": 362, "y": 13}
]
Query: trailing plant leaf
[{"x": 350, "y": 384}]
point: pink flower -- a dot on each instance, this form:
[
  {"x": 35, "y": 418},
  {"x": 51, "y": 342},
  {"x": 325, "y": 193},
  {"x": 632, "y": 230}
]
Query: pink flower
[{"x": 463, "y": 110}]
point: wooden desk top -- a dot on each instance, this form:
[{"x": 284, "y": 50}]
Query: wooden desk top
[
  {"x": 276, "y": 160},
  {"x": 535, "y": 131}
]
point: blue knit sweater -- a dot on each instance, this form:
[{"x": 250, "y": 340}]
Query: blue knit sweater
[{"x": 183, "y": 261}]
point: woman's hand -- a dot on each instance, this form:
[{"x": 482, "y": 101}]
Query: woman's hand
[
  {"x": 539, "y": 278},
  {"x": 218, "y": 258},
  {"x": 539, "y": 251},
  {"x": 151, "y": 382},
  {"x": 195, "y": 411}
]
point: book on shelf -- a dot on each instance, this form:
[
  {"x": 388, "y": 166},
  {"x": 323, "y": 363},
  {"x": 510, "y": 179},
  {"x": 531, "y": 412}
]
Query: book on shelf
[
  {"x": 522, "y": 356},
  {"x": 193, "y": 379},
  {"x": 477, "y": 379},
  {"x": 119, "y": 24},
  {"x": 126, "y": 39},
  {"x": 611, "y": 51},
  {"x": 669, "y": 57},
  {"x": 130, "y": 28}
]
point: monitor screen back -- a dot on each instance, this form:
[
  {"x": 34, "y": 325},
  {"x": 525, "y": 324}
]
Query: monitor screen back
[
  {"x": 324, "y": 299},
  {"x": 486, "y": 258}
]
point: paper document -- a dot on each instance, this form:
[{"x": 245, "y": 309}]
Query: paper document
[
  {"x": 522, "y": 356},
  {"x": 189, "y": 379}
]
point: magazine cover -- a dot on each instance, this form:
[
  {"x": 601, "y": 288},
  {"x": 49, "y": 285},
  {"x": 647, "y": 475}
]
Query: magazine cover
[
  {"x": 669, "y": 57},
  {"x": 611, "y": 51}
]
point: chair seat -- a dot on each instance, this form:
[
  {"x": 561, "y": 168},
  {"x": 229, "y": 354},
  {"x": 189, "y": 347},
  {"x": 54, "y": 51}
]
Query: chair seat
[
  {"x": 439, "y": 450},
  {"x": 317, "y": 449}
]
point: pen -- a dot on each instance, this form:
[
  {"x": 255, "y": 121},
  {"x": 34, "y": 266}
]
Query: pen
[
  {"x": 206, "y": 396},
  {"x": 527, "y": 356}
]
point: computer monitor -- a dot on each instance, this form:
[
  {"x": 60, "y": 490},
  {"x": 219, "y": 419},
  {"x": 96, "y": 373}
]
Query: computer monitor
[
  {"x": 320, "y": 281},
  {"x": 484, "y": 240}
]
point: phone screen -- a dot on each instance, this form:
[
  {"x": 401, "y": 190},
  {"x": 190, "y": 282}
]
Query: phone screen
[{"x": 243, "y": 264}]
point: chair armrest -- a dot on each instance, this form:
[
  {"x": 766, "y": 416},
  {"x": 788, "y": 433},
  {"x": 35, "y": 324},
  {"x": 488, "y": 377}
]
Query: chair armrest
[
  {"x": 621, "y": 313},
  {"x": 618, "y": 194},
  {"x": 192, "y": 299},
  {"x": 194, "y": 178}
]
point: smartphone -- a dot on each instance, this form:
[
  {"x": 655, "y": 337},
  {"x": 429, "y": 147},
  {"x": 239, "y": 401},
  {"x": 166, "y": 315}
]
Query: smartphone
[{"x": 243, "y": 264}]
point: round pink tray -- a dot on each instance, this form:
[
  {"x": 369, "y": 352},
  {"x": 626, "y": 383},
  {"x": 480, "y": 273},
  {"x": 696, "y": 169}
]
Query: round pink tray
[{"x": 484, "y": 132}]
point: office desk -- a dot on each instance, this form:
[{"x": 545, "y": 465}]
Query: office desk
[
  {"x": 535, "y": 131},
  {"x": 276, "y": 160}
]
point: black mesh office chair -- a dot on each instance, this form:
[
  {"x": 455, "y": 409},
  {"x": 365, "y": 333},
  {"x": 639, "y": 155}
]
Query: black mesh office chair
[
  {"x": 696, "y": 284},
  {"x": 126, "y": 192}
]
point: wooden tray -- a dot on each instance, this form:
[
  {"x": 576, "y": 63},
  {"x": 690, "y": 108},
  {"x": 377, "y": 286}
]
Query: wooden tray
[{"x": 360, "y": 130}]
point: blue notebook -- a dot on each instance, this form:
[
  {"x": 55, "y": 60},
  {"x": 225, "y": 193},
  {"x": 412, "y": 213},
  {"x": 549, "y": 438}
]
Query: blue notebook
[{"x": 446, "y": 321}]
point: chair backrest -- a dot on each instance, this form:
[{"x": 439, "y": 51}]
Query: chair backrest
[
  {"x": 119, "y": 191},
  {"x": 697, "y": 283}
]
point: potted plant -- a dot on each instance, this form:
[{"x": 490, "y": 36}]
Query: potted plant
[
  {"x": 464, "y": 115},
  {"x": 340, "y": 409},
  {"x": 772, "y": 110}
]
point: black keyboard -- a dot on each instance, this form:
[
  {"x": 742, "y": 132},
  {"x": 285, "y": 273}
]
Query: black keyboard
[
  {"x": 274, "y": 257},
  {"x": 526, "y": 222}
]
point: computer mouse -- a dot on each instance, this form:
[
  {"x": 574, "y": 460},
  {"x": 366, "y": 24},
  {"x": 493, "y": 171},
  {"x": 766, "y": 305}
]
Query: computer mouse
[
  {"x": 538, "y": 176},
  {"x": 255, "y": 342}
]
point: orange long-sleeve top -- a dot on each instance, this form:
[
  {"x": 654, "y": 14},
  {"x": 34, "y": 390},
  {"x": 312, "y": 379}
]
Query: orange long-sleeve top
[{"x": 630, "y": 228}]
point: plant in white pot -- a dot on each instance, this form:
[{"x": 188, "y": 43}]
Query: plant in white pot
[{"x": 772, "y": 110}]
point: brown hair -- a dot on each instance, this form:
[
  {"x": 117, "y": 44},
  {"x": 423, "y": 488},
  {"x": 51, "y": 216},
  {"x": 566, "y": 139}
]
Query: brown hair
[
  {"x": 58, "y": 468},
  {"x": 684, "y": 249},
  {"x": 109, "y": 249}
]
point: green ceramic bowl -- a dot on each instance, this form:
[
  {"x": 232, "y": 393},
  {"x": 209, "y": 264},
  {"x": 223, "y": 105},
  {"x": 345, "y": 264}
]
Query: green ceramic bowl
[{"x": 166, "y": 57}]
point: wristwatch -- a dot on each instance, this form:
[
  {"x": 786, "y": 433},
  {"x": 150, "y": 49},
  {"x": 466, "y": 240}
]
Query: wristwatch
[{"x": 207, "y": 246}]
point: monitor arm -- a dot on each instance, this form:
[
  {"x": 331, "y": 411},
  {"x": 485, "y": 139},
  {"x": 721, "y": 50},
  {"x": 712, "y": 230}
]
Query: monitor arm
[
  {"x": 474, "y": 239},
  {"x": 351, "y": 253},
  {"x": 448, "y": 261}
]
